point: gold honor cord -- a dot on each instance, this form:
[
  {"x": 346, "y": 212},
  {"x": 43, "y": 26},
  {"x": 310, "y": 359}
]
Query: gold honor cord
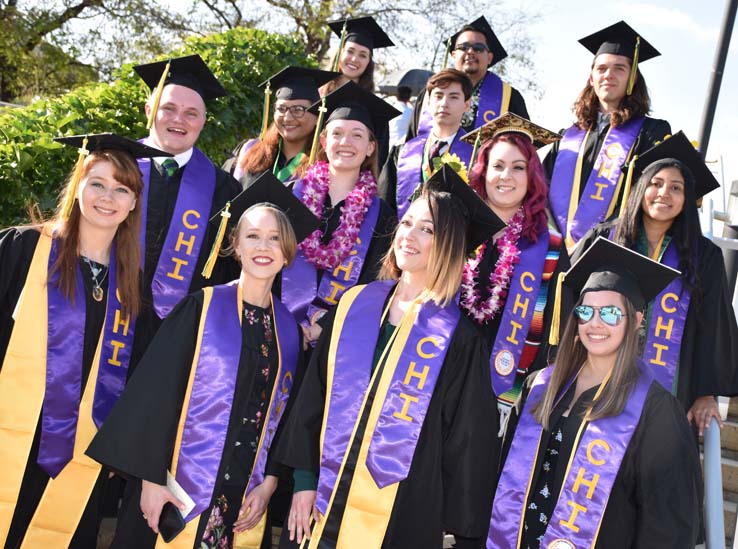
[
  {"x": 628, "y": 183},
  {"x": 71, "y": 196},
  {"x": 265, "y": 113},
  {"x": 157, "y": 96},
  {"x": 337, "y": 60}
]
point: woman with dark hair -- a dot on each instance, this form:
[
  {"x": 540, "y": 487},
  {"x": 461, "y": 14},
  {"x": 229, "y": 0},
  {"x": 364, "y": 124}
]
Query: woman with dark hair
[
  {"x": 208, "y": 409},
  {"x": 341, "y": 190},
  {"x": 599, "y": 454},
  {"x": 509, "y": 283},
  {"x": 691, "y": 337},
  {"x": 284, "y": 147},
  {"x": 395, "y": 437},
  {"x": 69, "y": 296}
]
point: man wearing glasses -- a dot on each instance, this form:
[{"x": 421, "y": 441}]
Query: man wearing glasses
[{"x": 474, "y": 49}]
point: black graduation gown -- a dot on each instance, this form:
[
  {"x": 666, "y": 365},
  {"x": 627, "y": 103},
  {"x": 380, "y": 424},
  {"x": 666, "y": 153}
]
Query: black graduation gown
[
  {"x": 161, "y": 202},
  {"x": 707, "y": 358},
  {"x": 646, "y": 508},
  {"x": 517, "y": 106},
  {"x": 451, "y": 479},
  {"x": 138, "y": 437},
  {"x": 17, "y": 246}
]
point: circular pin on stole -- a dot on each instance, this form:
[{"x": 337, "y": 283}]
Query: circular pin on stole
[{"x": 504, "y": 363}]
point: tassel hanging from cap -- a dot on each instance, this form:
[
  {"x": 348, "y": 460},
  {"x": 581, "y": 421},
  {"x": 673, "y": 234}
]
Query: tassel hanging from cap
[
  {"x": 157, "y": 96},
  {"x": 475, "y": 150},
  {"x": 337, "y": 60},
  {"x": 71, "y": 196},
  {"x": 634, "y": 67},
  {"x": 318, "y": 128},
  {"x": 446, "y": 54},
  {"x": 225, "y": 215},
  {"x": 553, "y": 334},
  {"x": 628, "y": 184},
  {"x": 265, "y": 114}
]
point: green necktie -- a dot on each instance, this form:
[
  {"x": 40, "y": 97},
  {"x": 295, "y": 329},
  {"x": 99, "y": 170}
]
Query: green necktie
[{"x": 170, "y": 167}]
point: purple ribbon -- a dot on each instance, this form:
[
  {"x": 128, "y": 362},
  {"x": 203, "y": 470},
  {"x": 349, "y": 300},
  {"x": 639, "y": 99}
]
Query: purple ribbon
[
  {"x": 353, "y": 366},
  {"x": 668, "y": 317},
  {"x": 410, "y": 171},
  {"x": 602, "y": 183},
  {"x": 408, "y": 396},
  {"x": 516, "y": 319},
  {"x": 186, "y": 233}
]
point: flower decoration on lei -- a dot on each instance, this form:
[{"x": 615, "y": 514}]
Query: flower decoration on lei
[
  {"x": 315, "y": 189},
  {"x": 454, "y": 162},
  {"x": 481, "y": 311}
]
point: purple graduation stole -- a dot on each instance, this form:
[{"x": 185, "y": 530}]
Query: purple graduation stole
[
  {"x": 237, "y": 171},
  {"x": 589, "y": 478},
  {"x": 665, "y": 331},
  {"x": 300, "y": 292},
  {"x": 64, "y": 355},
  {"x": 602, "y": 184},
  {"x": 211, "y": 398},
  {"x": 410, "y": 166},
  {"x": 186, "y": 232},
  {"x": 404, "y": 408},
  {"x": 491, "y": 104},
  {"x": 518, "y": 313}
]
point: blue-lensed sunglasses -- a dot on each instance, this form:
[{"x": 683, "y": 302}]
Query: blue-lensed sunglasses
[{"x": 609, "y": 314}]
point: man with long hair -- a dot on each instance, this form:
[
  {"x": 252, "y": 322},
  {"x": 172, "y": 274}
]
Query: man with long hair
[
  {"x": 611, "y": 127},
  {"x": 474, "y": 50}
]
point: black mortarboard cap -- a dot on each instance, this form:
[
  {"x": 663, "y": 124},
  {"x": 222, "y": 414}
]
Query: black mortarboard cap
[
  {"x": 190, "y": 71},
  {"x": 351, "y": 102},
  {"x": 619, "y": 39},
  {"x": 483, "y": 222},
  {"x": 269, "y": 189},
  {"x": 609, "y": 266},
  {"x": 678, "y": 147},
  {"x": 482, "y": 25},
  {"x": 510, "y": 122},
  {"x": 111, "y": 141},
  {"x": 298, "y": 83},
  {"x": 362, "y": 30}
]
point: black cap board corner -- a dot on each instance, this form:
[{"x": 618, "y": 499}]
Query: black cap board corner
[
  {"x": 619, "y": 39},
  {"x": 351, "y": 102},
  {"x": 292, "y": 83},
  {"x": 111, "y": 141},
  {"x": 189, "y": 71},
  {"x": 364, "y": 31},
  {"x": 480, "y": 24}
]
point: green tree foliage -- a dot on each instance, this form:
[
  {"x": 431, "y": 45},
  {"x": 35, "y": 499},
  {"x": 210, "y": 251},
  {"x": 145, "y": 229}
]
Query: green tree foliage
[{"x": 33, "y": 166}]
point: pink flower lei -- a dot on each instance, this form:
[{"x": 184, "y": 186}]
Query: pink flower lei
[
  {"x": 499, "y": 281},
  {"x": 315, "y": 189}
]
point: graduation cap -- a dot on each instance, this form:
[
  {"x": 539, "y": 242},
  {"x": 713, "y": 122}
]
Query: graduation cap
[
  {"x": 680, "y": 148},
  {"x": 621, "y": 39},
  {"x": 361, "y": 30},
  {"x": 510, "y": 123},
  {"x": 267, "y": 189},
  {"x": 609, "y": 266},
  {"x": 482, "y": 26},
  {"x": 483, "y": 222},
  {"x": 99, "y": 142},
  {"x": 190, "y": 71}
]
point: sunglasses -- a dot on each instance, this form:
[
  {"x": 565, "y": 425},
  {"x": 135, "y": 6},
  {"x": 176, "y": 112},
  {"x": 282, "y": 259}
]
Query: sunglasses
[
  {"x": 609, "y": 314},
  {"x": 297, "y": 111},
  {"x": 476, "y": 47}
]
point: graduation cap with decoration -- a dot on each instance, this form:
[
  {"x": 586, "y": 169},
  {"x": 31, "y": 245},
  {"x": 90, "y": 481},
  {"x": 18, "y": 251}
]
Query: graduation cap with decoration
[
  {"x": 621, "y": 39},
  {"x": 482, "y": 26},
  {"x": 293, "y": 83},
  {"x": 351, "y": 102},
  {"x": 88, "y": 143},
  {"x": 190, "y": 71},
  {"x": 483, "y": 222},
  {"x": 608, "y": 266},
  {"x": 267, "y": 189},
  {"x": 361, "y": 30}
]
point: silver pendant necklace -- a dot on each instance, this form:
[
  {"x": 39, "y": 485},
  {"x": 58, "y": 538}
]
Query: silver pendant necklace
[{"x": 97, "y": 291}]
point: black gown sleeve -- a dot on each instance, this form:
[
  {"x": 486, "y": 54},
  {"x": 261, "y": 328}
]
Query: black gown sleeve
[
  {"x": 517, "y": 104},
  {"x": 381, "y": 242},
  {"x": 387, "y": 181},
  {"x": 137, "y": 439}
]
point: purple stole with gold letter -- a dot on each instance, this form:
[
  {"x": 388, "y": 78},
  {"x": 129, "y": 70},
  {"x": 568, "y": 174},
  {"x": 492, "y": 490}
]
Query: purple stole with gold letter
[
  {"x": 574, "y": 220},
  {"x": 589, "y": 478},
  {"x": 300, "y": 291},
  {"x": 186, "y": 232},
  {"x": 518, "y": 313},
  {"x": 66, "y": 327},
  {"x": 410, "y": 389},
  {"x": 410, "y": 171},
  {"x": 211, "y": 397}
]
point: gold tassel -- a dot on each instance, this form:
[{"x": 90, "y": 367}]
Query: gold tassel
[
  {"x": 634, "y": 67},
  {"x": 445, "y": 55},
  {"x": 318, "y": 128},
  {"x": 207, "y": 270},
  {"x": 157, "y": 96},
  {"x": 66, "y": 210},
  {"x": 337, "y": 60},
  {"x": 553, "y": 334},
  {"x": 475, "y": 150},
  {"x": 628, "y": 184},
  {"x": 265, "y": 115}
]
